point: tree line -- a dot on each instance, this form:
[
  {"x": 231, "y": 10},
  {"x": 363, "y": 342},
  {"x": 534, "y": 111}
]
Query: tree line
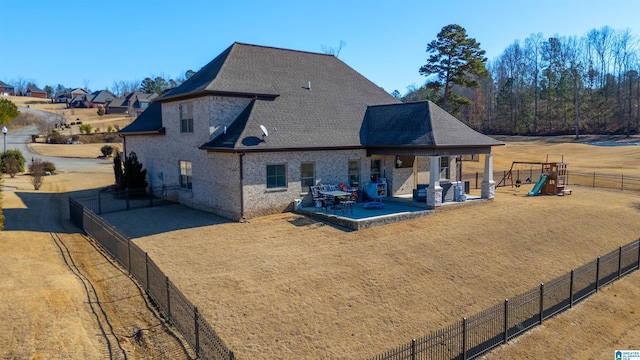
[{"x": 541, "y": 86}]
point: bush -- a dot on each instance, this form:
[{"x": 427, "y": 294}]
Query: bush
[
  {"x": 11, "y": 166},
  {"x": 17, "y": 155},
  {"x": 100, "y": 111},
  {"x": 107, "y": 150},
  {"x": 36, "y": 169},
  {"x": 49, "y": 167},
  {"x": 56, "y": 138},
  {"x": 86, "y": 128}
]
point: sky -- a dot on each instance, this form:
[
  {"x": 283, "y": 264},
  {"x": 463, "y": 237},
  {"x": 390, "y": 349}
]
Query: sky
[{"x": 97, "y": 43}]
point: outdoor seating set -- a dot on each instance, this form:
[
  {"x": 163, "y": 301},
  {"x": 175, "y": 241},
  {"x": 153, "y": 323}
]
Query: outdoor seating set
[{"x": 335, "y": 197}]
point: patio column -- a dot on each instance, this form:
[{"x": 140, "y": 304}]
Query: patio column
[
  {"x": 488, "y": 185},
  {"x": 434, "y": 191}
]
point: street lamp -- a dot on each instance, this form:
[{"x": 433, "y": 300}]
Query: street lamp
[{"x": 4, "y": 131}]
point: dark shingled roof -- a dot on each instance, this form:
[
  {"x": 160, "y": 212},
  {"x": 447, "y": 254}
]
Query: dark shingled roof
[
  {"x": 309, "y": 101},
  {"x": 149, "y": 122},
  {"x": 329, "y": 114},
  {"x": 419, "y": 124}
]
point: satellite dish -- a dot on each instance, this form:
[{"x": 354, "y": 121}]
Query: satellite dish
[{"x": 265, "y": 132}]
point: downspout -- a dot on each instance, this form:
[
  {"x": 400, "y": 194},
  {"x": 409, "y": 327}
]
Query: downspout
[
  {"x": 124, "y": 145},
  {"x": 242, "y": 219}
]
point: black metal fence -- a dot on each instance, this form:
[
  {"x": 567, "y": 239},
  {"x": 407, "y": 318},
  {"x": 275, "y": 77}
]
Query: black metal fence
[
  {"x": 580, "y": 178},
  {"x": 170, "y": 301},
  {"x": 108, "y": 200},
  {"x": 476, "y": 335}
]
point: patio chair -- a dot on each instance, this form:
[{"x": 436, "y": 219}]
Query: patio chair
[{"x": 318, "y": 199}]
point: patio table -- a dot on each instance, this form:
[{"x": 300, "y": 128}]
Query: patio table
[{"x": 332, "y": 194}]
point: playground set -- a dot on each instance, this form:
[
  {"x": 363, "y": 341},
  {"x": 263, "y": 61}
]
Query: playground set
[{"x": 552, "y": 180}]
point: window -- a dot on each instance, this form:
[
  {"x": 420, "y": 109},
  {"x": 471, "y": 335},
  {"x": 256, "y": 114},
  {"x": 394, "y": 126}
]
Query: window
[
  {"x": 276, "y": 176},
  {"x": 376, "y": 166},
  {"x": 186, "y": 118},
  {"x": 307, "y": 175},
  {"x": 444, "y": 168},
  {"x": 185, "y": 175},
  {"x": 354, "y": 173}
]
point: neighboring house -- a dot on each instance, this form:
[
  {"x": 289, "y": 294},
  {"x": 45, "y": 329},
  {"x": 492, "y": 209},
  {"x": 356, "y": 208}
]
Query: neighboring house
[
  {"x": 34, "y": 91},
  {"x": 324, "y": 122},
  {"x": 132, "y": 104},
  {"x": 6, "y": 89},
  {"x": 94, "y": 100},
  {"x": 69, "y": 94}
]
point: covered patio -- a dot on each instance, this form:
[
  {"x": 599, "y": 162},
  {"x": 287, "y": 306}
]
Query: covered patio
[
  {"x": 395, "y": 209},
  {"x": 432, "y": 139}
]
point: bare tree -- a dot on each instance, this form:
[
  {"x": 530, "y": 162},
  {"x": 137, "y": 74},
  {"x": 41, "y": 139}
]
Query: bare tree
[
  {"x": 334, "y": 51},
  {"x": 37, "y": 169}
]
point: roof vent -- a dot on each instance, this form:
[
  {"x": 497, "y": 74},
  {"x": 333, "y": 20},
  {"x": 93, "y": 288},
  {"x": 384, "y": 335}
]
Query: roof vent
[{"x": 309, "y": 86}]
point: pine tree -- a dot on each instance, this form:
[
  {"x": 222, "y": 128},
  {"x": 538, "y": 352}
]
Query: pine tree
[{"x": 456, "y": 59}]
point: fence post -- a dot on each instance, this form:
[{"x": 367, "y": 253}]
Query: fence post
[
  {"x": 413, "y": 349},
  {"x": 464, "y": 338},
  {"x": 168, "y": 298},
  {"x": 598, "y": 274},
  {"x": 638, "y": 241},
  {"x": 99, "y": 204},
  {"x": 571, "y": 290},
  {"x": 506, "y": 321},
  {"x": 195, "y": 317},
  {"x": 620, "y": 262},
  {"x": 594, "y": 180},
  {"x": 541, "y": 302},
  {"x": 622, "y": 182},
  {"x": 129, "y": 254},
  {"x": 146, "y": 265},
  {"x": 476, "y": 180},
  {"x": 126, "y": 196}
]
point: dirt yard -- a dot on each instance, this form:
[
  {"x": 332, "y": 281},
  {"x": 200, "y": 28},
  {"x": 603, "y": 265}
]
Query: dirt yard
[
  {"x": 62, "y": 298},
  {"x": 287, "y": 287}
]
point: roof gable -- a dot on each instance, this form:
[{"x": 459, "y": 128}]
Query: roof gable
[
  {"x": 149, "y": 122},
  {"x": 320, "y": 100},
  {"x": 420, "y": 124}
]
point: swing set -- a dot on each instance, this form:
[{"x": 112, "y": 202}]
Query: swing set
[{"x": 553, "y": 177}]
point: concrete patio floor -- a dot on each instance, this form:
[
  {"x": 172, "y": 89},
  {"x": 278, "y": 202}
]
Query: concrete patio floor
[{"x": 395, "y": 209}]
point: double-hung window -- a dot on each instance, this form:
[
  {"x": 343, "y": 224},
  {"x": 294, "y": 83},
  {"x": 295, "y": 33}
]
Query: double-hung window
[
  {"x": 354, "y": 173},
  {"x": 307, "y": 175},
  {"x": 276, "y": 176},
  {"x": 376, "y": 170},
  {"x": 186, "y": 118},
  {"x": 185, "y": 175},
  {"x": 444, "y": 168}
]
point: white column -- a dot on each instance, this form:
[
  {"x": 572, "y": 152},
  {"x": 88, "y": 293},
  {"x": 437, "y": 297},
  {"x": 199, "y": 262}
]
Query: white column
[
  {"x": 434, "y": 191},
  {"x": 488, "y": 185}
]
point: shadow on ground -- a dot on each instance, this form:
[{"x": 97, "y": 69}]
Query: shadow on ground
[{"x": 137, "y": 223}]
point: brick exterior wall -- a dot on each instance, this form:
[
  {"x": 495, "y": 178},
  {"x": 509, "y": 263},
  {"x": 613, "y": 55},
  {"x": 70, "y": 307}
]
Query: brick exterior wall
[{"x": 330, "y": 167}]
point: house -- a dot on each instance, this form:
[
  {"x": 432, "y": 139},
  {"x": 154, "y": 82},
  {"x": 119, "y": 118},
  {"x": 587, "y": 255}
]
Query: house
[
  {"x": 69, "y": 94},
  {"x": 96, "y": 99},
  {"x": 7, "y": 90},
  {"x": 253, "y": 129},
  {"x": 34, "y": 91},
  {"x": 132, "y": 104}
]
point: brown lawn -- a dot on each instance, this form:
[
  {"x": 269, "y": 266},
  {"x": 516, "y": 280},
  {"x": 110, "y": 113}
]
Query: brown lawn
[
  {"x": 287, "y": 287},
  {"x": 83, "y": 308}
]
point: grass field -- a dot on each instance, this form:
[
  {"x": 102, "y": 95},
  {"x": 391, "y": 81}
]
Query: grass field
[{"x": 288, "y": 287}]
